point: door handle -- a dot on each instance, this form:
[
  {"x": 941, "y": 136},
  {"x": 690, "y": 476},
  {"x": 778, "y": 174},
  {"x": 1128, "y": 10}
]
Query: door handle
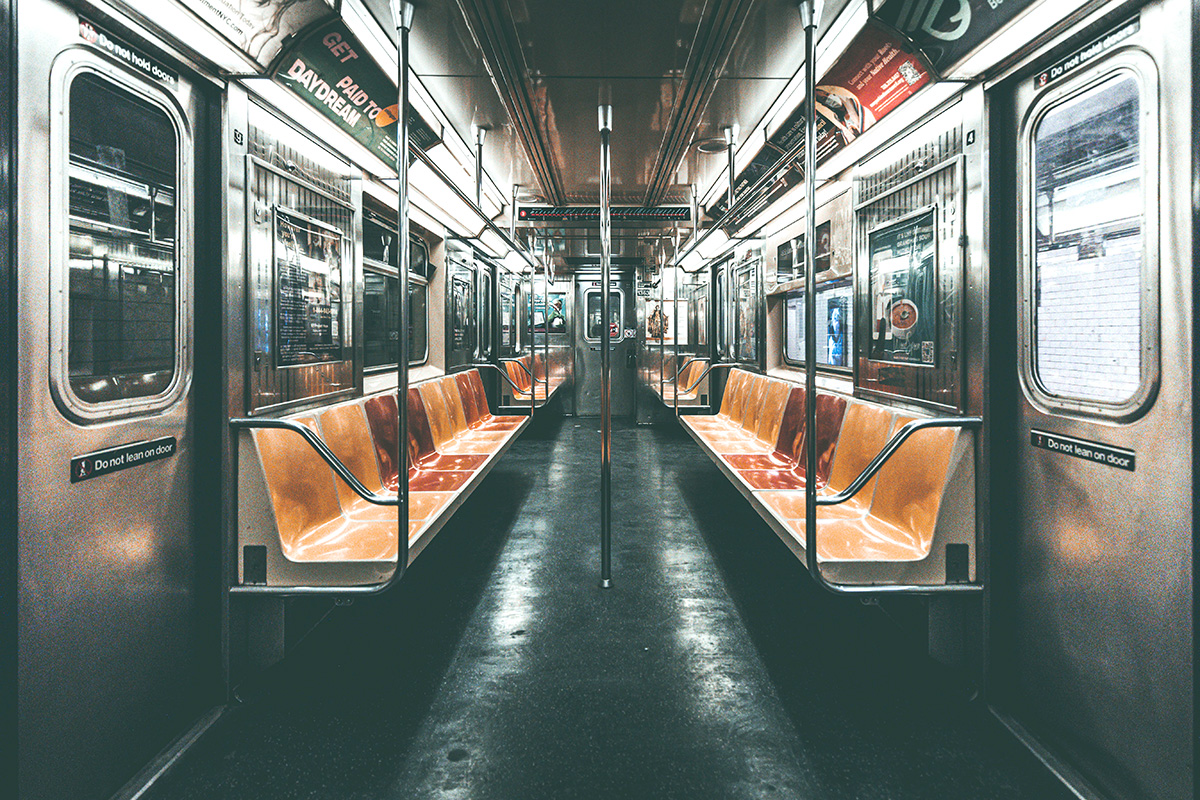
[{"x": 630, "y": 359}]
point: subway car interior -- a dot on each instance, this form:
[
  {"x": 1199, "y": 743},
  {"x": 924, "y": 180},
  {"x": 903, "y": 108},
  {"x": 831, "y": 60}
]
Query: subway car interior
[{"x": 418, "y": 399}]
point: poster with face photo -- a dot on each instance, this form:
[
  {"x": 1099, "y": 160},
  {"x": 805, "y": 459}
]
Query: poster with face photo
[
  {"x": 903, "y": 290},
  {"x": 308, "y": 290},
  {"x": 836, "y": 324}
]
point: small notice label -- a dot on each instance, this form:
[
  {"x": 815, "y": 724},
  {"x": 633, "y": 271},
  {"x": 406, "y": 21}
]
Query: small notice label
[
  {"x": 1096, "y": 48},
  {"x": 115, "y": 459},
  {"x": 118, "y": 48},
  {"x": 1105, "y": 454}
]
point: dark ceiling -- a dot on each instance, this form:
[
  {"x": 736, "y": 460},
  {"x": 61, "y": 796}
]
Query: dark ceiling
[{"x": 533, "y": 72}]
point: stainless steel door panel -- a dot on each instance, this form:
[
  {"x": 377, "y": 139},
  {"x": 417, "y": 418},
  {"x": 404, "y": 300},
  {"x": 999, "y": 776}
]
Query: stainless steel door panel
[
  {"x": 1103, "y": 616},
  {"x": 109, "y": 626},
  {"x": 587, "y": 353}
]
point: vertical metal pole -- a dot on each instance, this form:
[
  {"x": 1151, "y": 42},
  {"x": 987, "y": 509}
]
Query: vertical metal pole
[
  {"x": 532, "y": 348},
  {"x": 808, "y": 16},
  {"x": 512, "y": 214},
  {"x": 480, "y": 133},
  {"x": 662, "y": 302},
  {"x": 675, "y": 273},
  {"x": 402, "y": 14},
  {"x": 605, "y": 351},
  {"x": 546, "y": 317},
  {"x": 731, "y": 146}
]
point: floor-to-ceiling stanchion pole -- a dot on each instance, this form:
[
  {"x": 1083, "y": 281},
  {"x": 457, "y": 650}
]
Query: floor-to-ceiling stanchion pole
[
  {"x": 809, "y": 10},
  {"x": 402, "y": 14},
  {"x": 605, "y": 351}
]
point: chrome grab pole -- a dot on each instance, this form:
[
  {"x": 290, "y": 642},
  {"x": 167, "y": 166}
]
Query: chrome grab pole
[
  {"x": 512, "y": 214},
  {"x": 480, "y": 133},
  {"x": 605, "y": 348},
  {"x": 532, "y": 347},
  {"x": 546, "y": 318},
  {"x": 731, "y": 145},
  {"x": 808, "y": 18},
  {"x": 402, "y": 13},
  {"x": 675, "y": 273}
]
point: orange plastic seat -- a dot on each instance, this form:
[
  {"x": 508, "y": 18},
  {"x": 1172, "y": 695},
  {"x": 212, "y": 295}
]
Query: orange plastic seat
[
  {"x": 830, "y": 410},
  {"x": 473, "y": 398},
  {"x": 458, "y": 415},
  {"x": 308, "y": 514}
]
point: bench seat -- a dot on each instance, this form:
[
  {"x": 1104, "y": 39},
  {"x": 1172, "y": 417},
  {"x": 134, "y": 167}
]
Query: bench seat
[
  {"x": 895, "y": 528},
  {"x": 303, "y": 514}
]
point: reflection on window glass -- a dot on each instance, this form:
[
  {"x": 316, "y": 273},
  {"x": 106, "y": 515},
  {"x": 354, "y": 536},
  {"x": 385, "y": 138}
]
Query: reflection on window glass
[
  {"x": 835, "y": 325},
  {"x": 123, "y": 255},
  {"x": 464, "y": 315},
  {"x": 1088, "y": 247},
  {"x": 379, "y": 320},
  {"x": 746, "y": 341},
  {"x": 594, "y": 317},
  {"x": 902, "y": 285},
  {"x": 485, "y": 313}
]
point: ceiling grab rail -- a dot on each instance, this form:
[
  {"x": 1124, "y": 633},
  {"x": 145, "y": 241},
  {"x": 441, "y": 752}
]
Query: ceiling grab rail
[
  {"x": 605, "y": 124},
  {"x": 809, "y": 16},
  {"x": 402, "y": 15}
]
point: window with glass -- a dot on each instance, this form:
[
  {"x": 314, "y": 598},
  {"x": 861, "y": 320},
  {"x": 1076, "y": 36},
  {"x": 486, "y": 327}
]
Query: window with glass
[
  {"x": 745, "y": 309},
  {"x": 595, "y": 317},
  {"x": 380, "y": 290},
  {"x": 1088, "y": 244},
  {"x": 125, "y": 200},
  {"x": 722, "y": 309},
  {"x": 485, "y": 312},
  {"x": 463, "y": 322},
  {"x": 835, "y": 325}
]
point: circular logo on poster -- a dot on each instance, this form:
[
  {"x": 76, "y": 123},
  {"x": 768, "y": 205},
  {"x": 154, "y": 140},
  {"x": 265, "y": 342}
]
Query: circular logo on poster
[{"x": 904, "y": 317}]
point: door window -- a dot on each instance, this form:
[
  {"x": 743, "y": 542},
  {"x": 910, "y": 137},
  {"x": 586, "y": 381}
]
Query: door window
[
  {"x": 616, "y": 313},
  {"x": 1091, "y": 286},
  {"x": 121, "y": 331}
]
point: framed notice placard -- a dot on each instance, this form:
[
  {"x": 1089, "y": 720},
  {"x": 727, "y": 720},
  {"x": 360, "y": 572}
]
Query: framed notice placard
[
  {"x": 902, "y": 287},
  {"x": 309, "y": 320}
]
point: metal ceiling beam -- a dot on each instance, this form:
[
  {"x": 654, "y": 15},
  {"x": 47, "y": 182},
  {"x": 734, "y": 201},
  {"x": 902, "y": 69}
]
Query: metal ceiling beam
[
  {"x": 715, "y": 37},
  {"x": 495, "y": 35}
]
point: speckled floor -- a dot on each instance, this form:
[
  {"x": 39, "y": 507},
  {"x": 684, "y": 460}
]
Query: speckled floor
[{"x": 713, "y": 668}]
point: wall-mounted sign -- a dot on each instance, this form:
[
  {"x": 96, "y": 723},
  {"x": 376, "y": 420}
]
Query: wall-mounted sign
[
  {"x": 122, "y": 50},
  {"x": 308, "y": 290},
  {"x": 1093, "y": 50},
  {"x": 947, "y": 30},
  {"x": 903, "y": 290},
  {"x": 329, "y": 69},
  {"x": 259, "y": 28},
  {"x": 592, "y": 214},
  {"x": 115, "y": 459},
  {"x": 1095, "y": 452}
]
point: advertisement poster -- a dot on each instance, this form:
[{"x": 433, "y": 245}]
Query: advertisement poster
[
  {"x": 837, "y": 315},
  {"x": 259, "y": 27},
  {"x": 903, "y": 290},
  {"x": 330, "y": 70},
  {"x": 660, "y": 322},
  {"x": 462, "y": 312},
  {"x": 556, "y": 320},
  {"x": 308, "y": 293}
]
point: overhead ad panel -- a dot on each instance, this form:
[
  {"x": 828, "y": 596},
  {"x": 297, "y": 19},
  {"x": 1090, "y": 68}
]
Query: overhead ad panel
[
  {"x": 876, "y": 73},
  {"x": 948, "y": 30},
  {"x": 259, "y": 28},
  {"x": 330, "y": 70}
]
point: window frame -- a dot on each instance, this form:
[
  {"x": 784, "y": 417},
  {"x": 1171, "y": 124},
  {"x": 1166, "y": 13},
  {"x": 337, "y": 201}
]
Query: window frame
[
  {"x": 845, "y": 281},
  {"x": 68, "y": 66},
  {"x": 388, "y": 271},
  {"x": 621, "y": 313},
  {"x": 1138, "y": 64}
]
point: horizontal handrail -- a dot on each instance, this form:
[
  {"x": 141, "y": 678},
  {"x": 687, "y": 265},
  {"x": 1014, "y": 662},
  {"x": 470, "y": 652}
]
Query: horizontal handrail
[
  {"x": 890, "y": 449},
  {"x": 810, "y": 533},
  {"x": 679, "y": 370},
  {"x": 711, "y": 367},
  {"x": 517, "y": 361},
  {"x": 323, "y": 451},
  {"x": 503, "y": 375}
]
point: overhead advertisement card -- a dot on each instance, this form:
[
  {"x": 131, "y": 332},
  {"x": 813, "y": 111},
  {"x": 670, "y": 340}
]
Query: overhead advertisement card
[
  {"x": 871, "y": 78},
  {"x": 948, "y": 30},
  {"x": 330, "y": 70},
  {"x": 259, "y": 28}
]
